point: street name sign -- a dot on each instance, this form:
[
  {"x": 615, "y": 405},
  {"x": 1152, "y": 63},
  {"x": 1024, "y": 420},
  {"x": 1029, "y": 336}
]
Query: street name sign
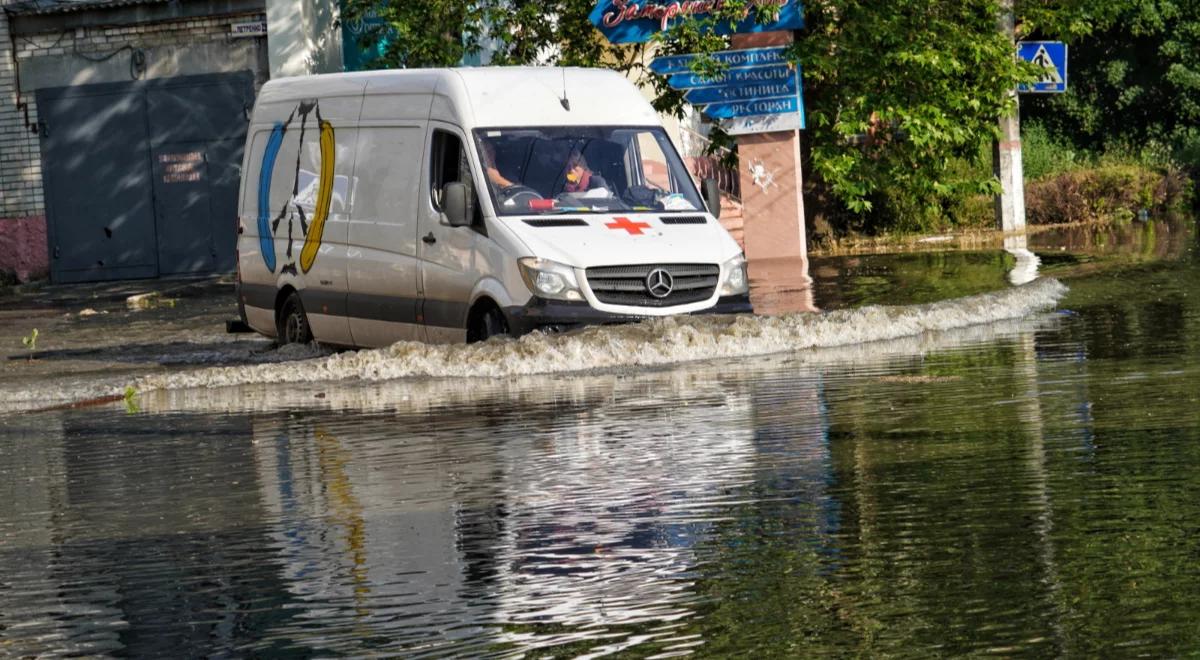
[
  {"x": 776, "y": 73},
  {"x": 745, "y": 92},
  {"x": 668, "y": 64},
  {"x": 1051, "y": 56},
  {"x": 759, "y": 92}
]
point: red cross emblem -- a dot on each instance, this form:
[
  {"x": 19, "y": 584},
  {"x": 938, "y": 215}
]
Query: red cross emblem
[{"x": 634, "y": 228}]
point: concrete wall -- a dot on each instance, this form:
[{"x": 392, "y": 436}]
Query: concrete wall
[
  {"x": 67, "y": 57},
  {"x": 303, "y": 37}
]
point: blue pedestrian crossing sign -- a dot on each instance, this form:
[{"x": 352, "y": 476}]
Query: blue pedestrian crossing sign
[{"x": 1052, "y": 57}]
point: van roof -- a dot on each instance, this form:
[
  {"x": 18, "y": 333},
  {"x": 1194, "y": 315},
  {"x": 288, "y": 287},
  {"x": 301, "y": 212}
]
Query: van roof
[{"x": 489, "y": 96}]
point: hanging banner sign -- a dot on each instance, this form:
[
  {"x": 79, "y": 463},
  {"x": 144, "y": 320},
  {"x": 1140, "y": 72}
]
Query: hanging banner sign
[
  {"x": 731, "y": 58},
  {"x": 636, "y": 21}
]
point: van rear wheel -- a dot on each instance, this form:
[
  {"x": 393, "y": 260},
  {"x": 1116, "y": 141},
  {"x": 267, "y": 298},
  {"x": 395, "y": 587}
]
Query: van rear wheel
[
  {"x": 486, "y": 325},
  {"x": 293, "y": 322}
]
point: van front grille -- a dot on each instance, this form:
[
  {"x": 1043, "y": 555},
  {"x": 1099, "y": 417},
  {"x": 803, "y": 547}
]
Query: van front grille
[{"x": 631, "y": 285}]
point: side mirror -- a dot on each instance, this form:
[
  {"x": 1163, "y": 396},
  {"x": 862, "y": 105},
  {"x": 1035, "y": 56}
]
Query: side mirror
[
  {"x": 712, "y": 197},
  {"x": 454, "y": 204}
]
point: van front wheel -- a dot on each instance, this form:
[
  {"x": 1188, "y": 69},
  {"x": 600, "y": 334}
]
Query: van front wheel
[
  {"x": 293, "y": 322},
  {"x": 490, "y": 323}
]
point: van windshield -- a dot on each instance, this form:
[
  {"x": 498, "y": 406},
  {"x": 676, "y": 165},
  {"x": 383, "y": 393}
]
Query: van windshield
[{"x": 584, "y": 170}]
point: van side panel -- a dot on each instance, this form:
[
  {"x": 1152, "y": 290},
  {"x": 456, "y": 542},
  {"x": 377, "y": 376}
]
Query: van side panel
[
  {"x": 301, "y": 165},
  {"x": 257, "y": 281},
  {"x": 383, "y": 268}
]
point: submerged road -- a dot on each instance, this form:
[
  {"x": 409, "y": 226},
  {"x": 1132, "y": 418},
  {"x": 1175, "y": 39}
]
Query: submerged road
[{"x": 1022, "y": 486}]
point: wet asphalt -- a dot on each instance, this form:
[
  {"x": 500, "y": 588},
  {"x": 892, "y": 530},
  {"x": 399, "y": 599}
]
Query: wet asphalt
[{"x": 111, "y": 331}]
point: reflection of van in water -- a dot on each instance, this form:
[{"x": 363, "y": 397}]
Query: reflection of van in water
[{"x": 448, "y": 204}]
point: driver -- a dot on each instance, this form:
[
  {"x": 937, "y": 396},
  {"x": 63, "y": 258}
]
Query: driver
[{"x": 488, "y": 152}]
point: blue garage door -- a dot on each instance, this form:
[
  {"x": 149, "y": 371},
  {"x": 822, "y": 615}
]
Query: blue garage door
[{"x": 141, "y": 178}]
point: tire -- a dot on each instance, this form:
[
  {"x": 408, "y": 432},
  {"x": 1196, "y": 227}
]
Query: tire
[
  {"x": 489, "y": 324},
  {"x": 293, "y": 327}
]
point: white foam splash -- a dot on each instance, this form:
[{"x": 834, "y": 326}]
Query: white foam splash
[
  {"x": 656, "y": 342},
  {"x": 422, "y": 395}
]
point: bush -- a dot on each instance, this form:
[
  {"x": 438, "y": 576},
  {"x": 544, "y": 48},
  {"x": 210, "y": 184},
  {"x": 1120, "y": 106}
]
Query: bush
[
  {"x": 1108, "y": 191},
  {"x": 1043, "y": 155},
  {"x": 1063, "y": 184}
]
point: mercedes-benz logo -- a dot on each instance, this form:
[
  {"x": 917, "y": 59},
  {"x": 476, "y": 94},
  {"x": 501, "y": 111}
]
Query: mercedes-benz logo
[{"x": 659, "y": 283}]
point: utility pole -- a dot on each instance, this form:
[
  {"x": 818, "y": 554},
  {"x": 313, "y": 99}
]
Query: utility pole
[{"x": 1006, "y": 152}]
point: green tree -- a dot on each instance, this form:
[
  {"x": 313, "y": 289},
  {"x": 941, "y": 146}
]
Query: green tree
[
  {"x": 897, "y": 90},
  {"x": 894, "y": 91},
  {"x": 1134, "y": 81}
]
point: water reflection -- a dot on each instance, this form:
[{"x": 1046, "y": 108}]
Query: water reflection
[
  {"x": 1023, "y": 487},
  {"x": 1025, "y": 267},
  {"x": 474, "y": 515},
  {"x": 781, "y": 286},
  {"x": 741, "y": 508}
]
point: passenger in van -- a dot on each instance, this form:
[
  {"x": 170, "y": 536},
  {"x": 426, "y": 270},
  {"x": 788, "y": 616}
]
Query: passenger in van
[{"x": 579, "y": 177}]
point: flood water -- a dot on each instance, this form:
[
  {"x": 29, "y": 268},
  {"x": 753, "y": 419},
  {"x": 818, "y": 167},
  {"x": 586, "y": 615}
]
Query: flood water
[{"x": 1018, "y": 484}]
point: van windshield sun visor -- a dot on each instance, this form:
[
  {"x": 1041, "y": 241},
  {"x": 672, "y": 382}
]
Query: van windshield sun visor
[{"x": 584, "y": 169}]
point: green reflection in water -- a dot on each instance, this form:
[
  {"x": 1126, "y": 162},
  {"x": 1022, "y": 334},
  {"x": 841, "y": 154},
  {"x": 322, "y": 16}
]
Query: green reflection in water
[{"x": 1037, "y": 495}]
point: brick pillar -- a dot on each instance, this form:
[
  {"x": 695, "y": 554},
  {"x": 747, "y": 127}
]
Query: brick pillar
[{"x": 772, "y": 202}]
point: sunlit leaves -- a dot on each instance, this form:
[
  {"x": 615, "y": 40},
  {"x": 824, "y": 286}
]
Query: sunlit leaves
[{"x": 896, "y": 88}]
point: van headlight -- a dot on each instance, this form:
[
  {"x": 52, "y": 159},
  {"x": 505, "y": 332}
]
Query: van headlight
[
  {"x": 736, "y": 281},
  {"x": 549, "y": 279}
]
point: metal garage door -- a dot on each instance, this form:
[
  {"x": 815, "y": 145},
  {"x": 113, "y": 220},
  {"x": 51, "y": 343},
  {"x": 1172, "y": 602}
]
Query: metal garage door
[{"x": 141, "y": 178}]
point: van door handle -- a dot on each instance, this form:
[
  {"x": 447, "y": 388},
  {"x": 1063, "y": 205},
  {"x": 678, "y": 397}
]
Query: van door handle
[{"x": 429, "y": 238}]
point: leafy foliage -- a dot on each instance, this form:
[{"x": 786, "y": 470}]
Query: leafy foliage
[
  {"x": 30, "y": 341},
  {"x": 895, "y": 91},
  {"x": 1105, "y": 191},
  {"x": 900, "y": 96},
  {"x": 1134, "y": 81}
]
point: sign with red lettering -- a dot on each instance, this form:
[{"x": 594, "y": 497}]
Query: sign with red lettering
[
  {"x": 635, "y": 21},
  {"x": 181, "y": 167}
]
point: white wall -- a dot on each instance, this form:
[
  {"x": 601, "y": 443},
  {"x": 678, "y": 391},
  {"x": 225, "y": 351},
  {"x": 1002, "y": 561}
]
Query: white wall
[{"x": 303, "y": 37}]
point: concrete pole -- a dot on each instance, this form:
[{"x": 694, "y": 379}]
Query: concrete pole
[{"x": 1006, "y": 153}]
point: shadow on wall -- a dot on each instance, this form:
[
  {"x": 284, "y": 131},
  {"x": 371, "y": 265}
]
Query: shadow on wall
[
  {"x": 23, "y": 249},
  {"x": 325, "y": 52},
  {"x": 304, "y": 38},
  {"x": 141, "y": 178}
]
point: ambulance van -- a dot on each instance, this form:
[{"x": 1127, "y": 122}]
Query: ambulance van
[{"x": 446, "y": 205}]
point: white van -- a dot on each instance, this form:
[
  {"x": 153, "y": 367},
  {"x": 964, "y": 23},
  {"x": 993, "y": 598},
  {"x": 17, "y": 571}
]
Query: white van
[{"x": 459, "y": 204}]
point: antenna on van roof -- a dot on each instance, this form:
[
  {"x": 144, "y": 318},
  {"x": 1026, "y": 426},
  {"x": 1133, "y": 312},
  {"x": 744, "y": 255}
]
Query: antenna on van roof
[{"x": 566, "y": 104}]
